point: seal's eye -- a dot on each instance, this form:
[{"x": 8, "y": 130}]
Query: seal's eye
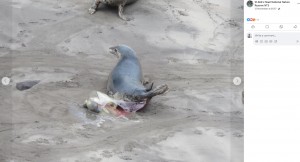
[{"x": 115, "y": 50}]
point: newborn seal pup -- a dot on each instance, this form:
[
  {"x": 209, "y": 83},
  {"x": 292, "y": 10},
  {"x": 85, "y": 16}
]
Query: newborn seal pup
[
  {"x": 126, "y": 80},
  {"x": 115, "y": 3}
]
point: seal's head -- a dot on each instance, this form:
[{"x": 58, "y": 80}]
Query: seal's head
[{"x": 122, "y": 51}]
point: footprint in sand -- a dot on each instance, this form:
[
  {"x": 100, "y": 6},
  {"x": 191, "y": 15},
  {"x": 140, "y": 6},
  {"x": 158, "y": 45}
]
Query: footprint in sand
[
  {"x": 125, "y": 157},
  {"x": 130, "y": 146},
  {"x": 45, "y": 140},
  {"x": 199, "y": 132},
  {"x": 67, "y": 41},
  {"x": 172, "y": 60},
  {"x": 23, "y": 34},
  {"x": 33, "y": 22},
  {"x": 220, "y": 134},
  {"x": 48, "y": 20},
  {"x": 238, "y": 134},
  {"x": 182, "y": 34},
  {"x": 62, "y": 13},
  {"x": 64, "y": 49},
  {"x": 106, "y": 154},
  {"x": 22, "y": 24}
]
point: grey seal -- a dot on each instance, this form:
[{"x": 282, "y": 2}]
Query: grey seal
[
  {"x": 115, "y": 3},
  {"x": 126, "y": 80}
]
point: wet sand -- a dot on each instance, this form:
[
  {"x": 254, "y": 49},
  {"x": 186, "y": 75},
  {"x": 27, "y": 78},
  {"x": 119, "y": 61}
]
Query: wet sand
[{"x": 194, "y": 46}]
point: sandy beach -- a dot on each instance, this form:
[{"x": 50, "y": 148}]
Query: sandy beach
[{"x": 194, "y": 46}]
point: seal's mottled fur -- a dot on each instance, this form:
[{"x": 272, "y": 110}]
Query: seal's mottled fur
[{"x": 117, "y": 3}]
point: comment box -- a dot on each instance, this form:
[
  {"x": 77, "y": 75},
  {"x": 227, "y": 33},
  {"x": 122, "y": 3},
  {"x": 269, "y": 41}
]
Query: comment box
[{"x": 276, "y": 38}]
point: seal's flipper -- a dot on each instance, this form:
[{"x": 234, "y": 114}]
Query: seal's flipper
[
  {"x": 94, "y": 7},
  {"x": 156, "y": 91},
  {"x": 121, "y": 10}
]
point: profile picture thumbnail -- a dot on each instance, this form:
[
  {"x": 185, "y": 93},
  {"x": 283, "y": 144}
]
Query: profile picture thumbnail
[{"x": 250, "y": 3}]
